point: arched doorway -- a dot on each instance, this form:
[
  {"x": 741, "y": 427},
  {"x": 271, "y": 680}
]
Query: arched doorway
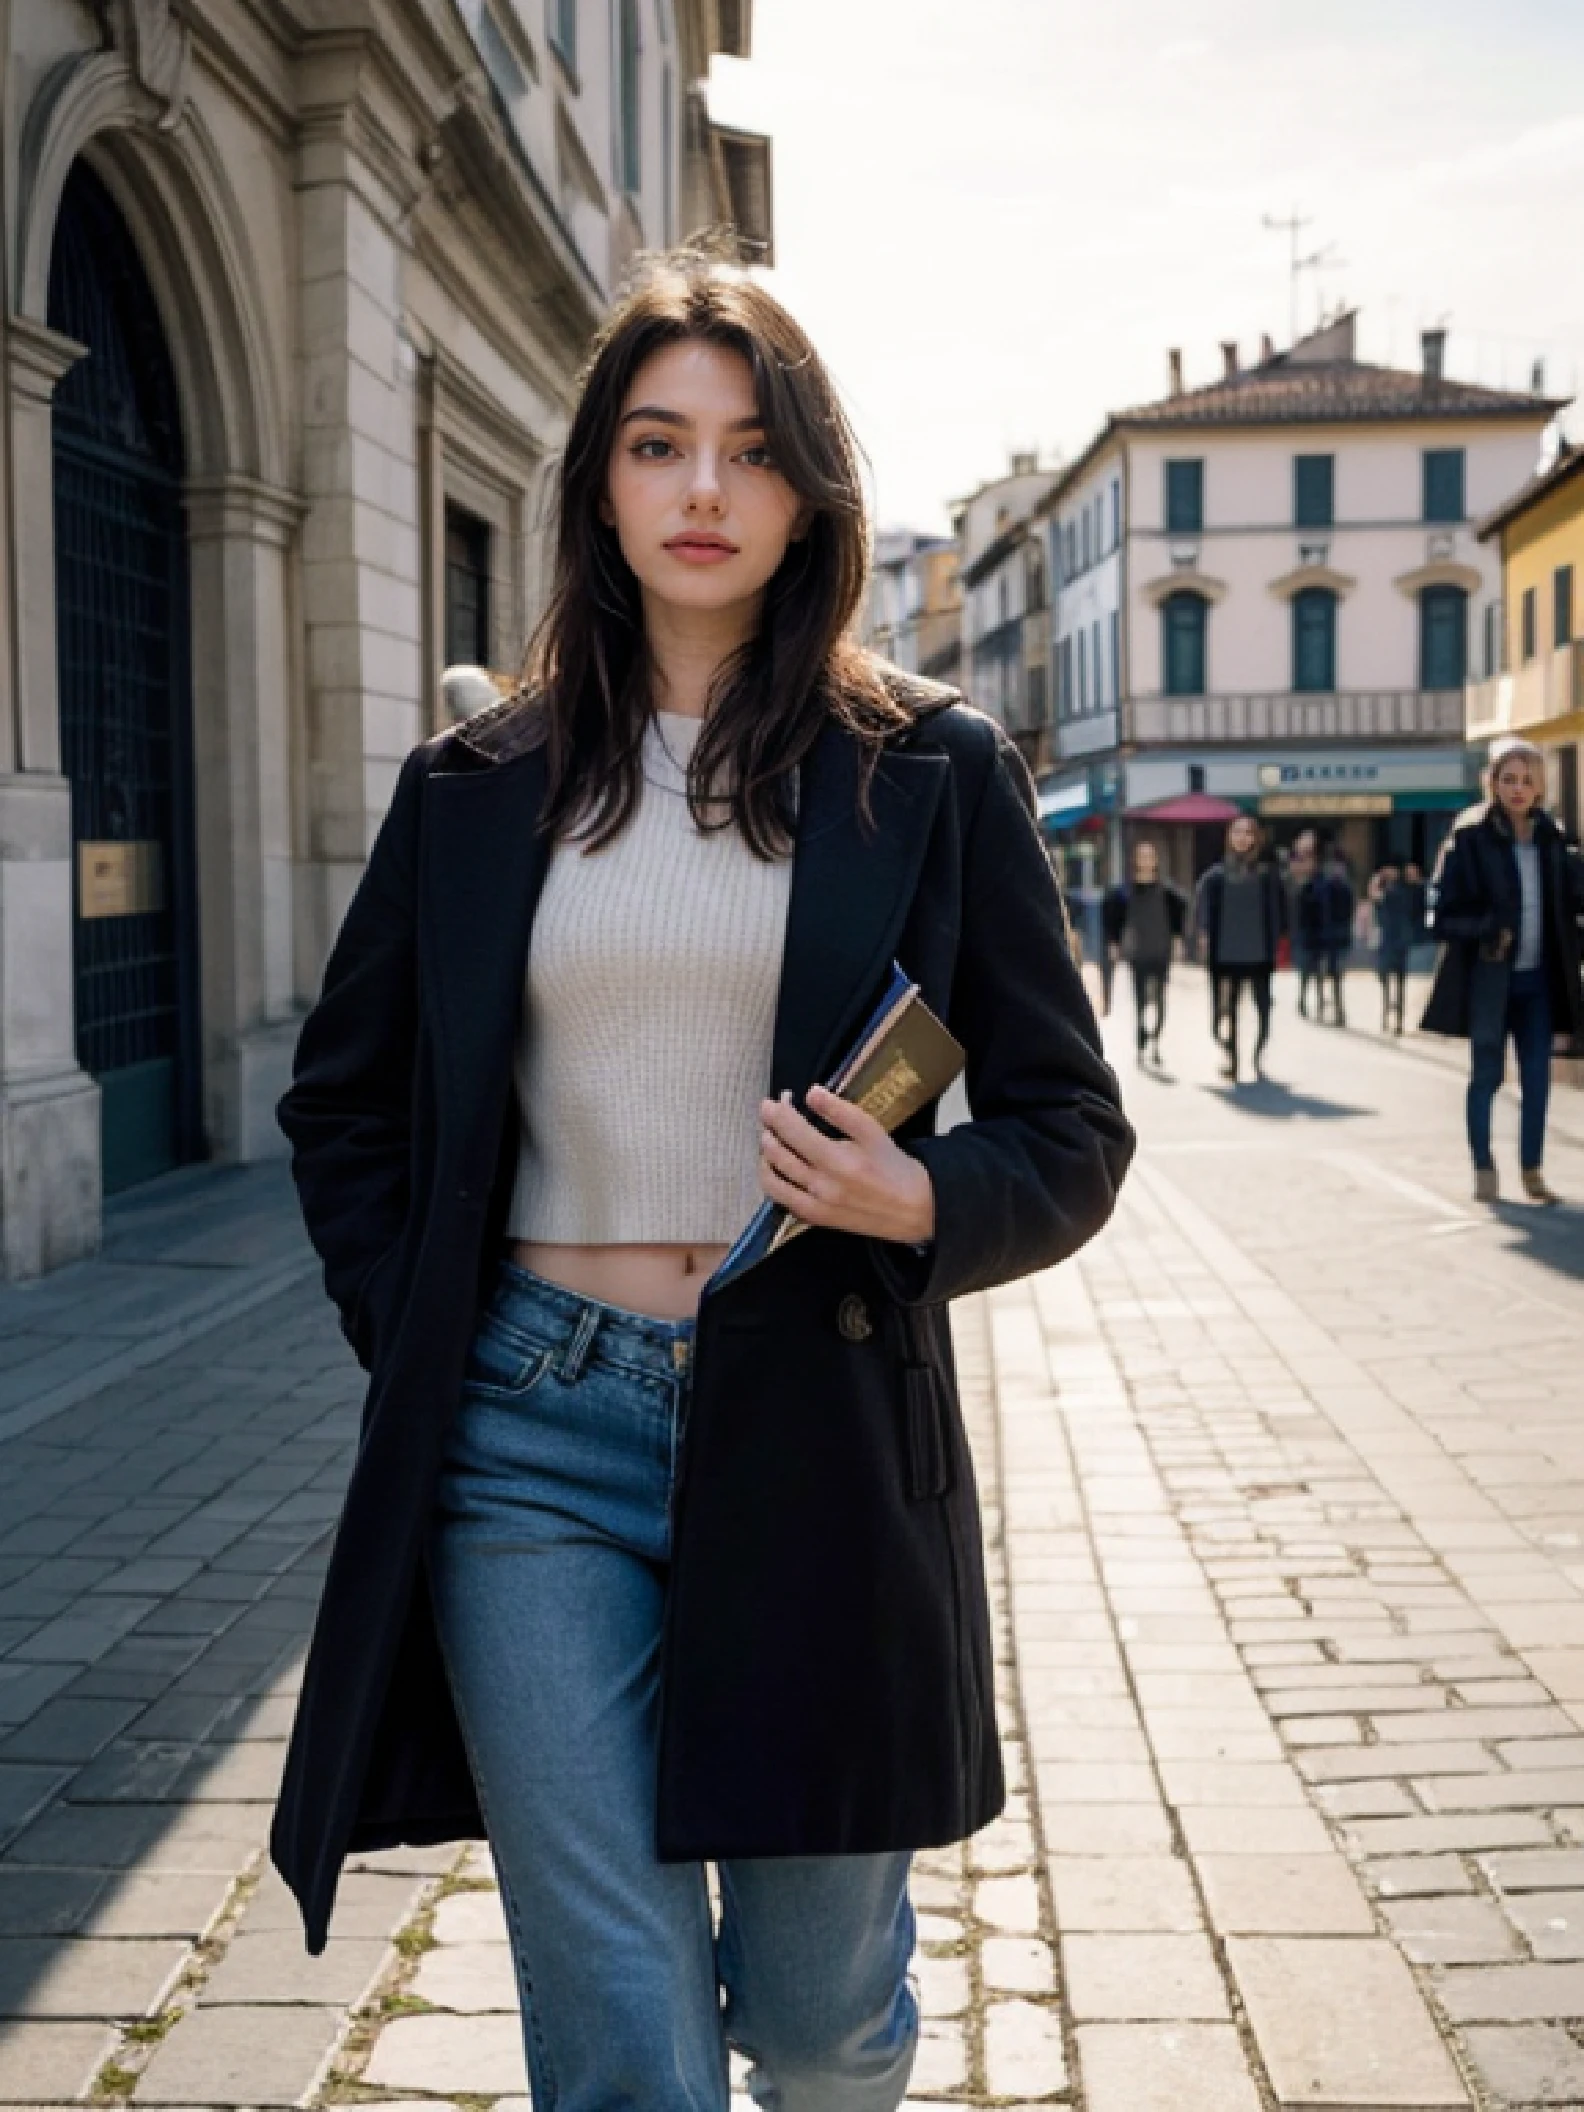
[{"x": 122, "y": 622}]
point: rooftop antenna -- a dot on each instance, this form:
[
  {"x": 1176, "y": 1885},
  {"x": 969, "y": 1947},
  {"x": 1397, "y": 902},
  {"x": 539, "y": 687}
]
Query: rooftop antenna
[{"x": 1293, "y": 226}]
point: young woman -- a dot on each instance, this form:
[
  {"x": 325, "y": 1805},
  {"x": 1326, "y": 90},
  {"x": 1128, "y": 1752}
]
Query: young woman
[
  {"x": 1509, "y": 898},
  {"x": 1242, "y": 912},
  {"x": 637, "y": 1571},
  {"x": 1142, "y": 920}
]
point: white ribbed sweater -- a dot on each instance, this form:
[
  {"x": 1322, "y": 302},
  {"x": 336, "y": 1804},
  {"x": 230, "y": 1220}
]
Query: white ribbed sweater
[{"x": 644, "y": 1050}]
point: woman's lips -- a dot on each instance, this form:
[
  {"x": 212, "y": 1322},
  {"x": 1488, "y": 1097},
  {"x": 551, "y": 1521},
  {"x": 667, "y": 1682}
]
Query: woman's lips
[{"x": 701, "y": 553}]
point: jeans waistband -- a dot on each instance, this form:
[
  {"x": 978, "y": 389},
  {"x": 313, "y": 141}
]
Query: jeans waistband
[{"x": 571, "y": 1324}]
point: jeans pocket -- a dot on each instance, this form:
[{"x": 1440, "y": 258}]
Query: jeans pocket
[{"x": 503, "y": 1363}]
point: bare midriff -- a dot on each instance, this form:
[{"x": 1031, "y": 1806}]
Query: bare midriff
[{"x": 663, "y": 1279}]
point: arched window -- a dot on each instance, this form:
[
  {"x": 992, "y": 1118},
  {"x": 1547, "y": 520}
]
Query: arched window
[
  {"x": 1183, "y": 619},
  {"x": 1443, "y": 637},
  {"x": 1314, "y": 626}
]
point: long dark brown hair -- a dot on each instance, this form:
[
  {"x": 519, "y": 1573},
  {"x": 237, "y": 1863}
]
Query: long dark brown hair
[{"x": 588, "y": 666}]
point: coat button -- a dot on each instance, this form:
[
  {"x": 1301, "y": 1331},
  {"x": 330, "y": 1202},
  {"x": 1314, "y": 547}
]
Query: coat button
[{"x": 852, "y": 1318}]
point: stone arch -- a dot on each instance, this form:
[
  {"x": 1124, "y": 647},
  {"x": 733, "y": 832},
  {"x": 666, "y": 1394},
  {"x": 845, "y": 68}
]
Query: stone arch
[
  {"x": 171, "y": 187},
  {"x": 157, "y": 157}
]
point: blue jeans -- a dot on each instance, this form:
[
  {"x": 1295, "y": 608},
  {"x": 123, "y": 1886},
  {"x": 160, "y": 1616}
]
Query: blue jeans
[
  {"x": 548, "y": 1553},
  {"x": 1528, "y": 1021}
]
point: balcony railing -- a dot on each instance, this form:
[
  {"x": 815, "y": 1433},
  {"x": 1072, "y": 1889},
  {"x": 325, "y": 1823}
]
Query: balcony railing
[
  {"x": 1289, "y": 715},
  {"x": 1551, "y": 686}
]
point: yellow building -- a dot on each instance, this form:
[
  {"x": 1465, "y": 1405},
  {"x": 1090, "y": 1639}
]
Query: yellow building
[{"x": 1533, "y": 650}]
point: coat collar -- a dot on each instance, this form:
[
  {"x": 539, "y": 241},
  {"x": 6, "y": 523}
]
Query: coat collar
[{"x": 484, "y": 870}]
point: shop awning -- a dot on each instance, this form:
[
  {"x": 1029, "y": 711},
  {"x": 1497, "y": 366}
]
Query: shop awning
[
  {"x": 1187, "y": 807},
  {"x": 1061, "y": 805}
]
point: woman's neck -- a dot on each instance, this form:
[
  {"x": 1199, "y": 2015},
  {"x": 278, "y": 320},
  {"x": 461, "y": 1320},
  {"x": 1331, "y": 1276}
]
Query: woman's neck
[
  {"x": 1522, "y": 826},
  {"x": 689, "y": 647}
]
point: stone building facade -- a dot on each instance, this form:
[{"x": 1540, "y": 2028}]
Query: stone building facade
[{"x": 295, "y": 293}]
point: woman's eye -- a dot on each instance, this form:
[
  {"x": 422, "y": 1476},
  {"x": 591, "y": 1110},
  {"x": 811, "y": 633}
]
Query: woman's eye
[
  {"x": 653, "y": 449},
  {"x": 757, "y": 458}
]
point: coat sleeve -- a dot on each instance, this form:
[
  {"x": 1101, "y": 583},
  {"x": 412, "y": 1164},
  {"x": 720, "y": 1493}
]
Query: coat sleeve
[
  {"x": 348, "y": 1111},
  {"x": 1035, "y": 1173},
  {"x": 1461, "y": 908}
]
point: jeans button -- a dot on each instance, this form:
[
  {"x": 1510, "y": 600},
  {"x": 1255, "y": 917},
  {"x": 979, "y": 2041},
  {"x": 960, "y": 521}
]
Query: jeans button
[{"x": 852, "y": 1319}]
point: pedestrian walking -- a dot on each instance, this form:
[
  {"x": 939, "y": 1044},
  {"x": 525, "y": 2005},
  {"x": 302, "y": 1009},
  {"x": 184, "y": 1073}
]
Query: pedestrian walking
[
  {"x": 1509, "y": 901},
  {"x": 1242, "y": 913},
  {"x": 1325, "y": 914},
  {"x": 1143, "y": 919},
  {"x": 1397, "y": 923},
  {"x": 1301, "y": 867},
  {"x": 636, "y": 1569}
]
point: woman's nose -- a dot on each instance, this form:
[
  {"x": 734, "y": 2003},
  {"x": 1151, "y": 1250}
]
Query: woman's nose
[{"x": 704, "y": 488}]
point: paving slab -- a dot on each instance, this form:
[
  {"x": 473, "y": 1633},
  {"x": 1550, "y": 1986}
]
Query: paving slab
[
  {"x": 450, "y": 2055},
  {"x": 1283, "y": 1895},
  {"x": 1529, "y": 2064},
  {"x": 1164, "y": 2068},
  {"x": 271, "y": 1966},
  {"x": 1340, "y": 2024},
  {"x": 234, "y": 2056},
  {"x": 86, "y": 1977},
  {"x": 50, "y": 2063},
  {"x": 476, "y": 1977},
  {"x": 1141, "y": 1978}
]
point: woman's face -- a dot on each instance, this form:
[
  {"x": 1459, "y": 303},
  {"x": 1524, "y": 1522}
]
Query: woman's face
[
  {"x": 702, "y": 513},
  {"x": 1515, "y": 787},
  {"x": 1242, "y": 837}
]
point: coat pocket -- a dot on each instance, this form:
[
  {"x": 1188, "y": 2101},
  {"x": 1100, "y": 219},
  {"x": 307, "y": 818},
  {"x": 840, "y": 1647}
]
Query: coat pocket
[{"x": 925, "y": 1412}]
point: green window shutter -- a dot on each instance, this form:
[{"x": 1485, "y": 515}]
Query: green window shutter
[
  {"x": 1562, "y": 605},
  {"x": 1531, "y": 627},
  {"x": 1443, "y": 638},
  {"x": 1443, "y": 484},
  {"x": 1183, "y": 644},
  {"x": 1184, "y": 498},
  {"x": 1314, "y": 620},
  {"x": 1313, "y": 477}
]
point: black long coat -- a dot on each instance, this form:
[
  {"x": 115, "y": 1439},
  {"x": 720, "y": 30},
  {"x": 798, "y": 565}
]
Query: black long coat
[
  {"x": 826, "y": 1671},
  {"x": 1477, "y": 897}
]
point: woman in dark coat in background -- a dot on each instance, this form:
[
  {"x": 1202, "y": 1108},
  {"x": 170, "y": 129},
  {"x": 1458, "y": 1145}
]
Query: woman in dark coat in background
[
  {"x": 637, "y": 1570},
  {"x": 1509, "y": 899}
]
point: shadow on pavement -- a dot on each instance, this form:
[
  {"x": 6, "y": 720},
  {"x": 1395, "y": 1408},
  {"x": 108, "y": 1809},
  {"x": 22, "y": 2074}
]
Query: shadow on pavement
[
  {"x": 162, "y": 1541},
  {"x": 1554, "y": 1238},
  {"x": 1274, "y": 1101}
]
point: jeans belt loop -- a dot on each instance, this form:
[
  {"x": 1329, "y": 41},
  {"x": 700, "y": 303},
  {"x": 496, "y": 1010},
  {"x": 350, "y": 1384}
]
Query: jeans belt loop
[{"x": 574, "y": 1353}]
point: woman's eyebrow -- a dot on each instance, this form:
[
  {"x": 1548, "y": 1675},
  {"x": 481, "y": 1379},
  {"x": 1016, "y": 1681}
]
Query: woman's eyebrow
[{"x": 657, "y": 414}]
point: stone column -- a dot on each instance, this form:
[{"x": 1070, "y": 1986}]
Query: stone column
[
  {"x": 361, "y": 589},
  {"x": 239, "y": 532},
  {"x": 50, "y": 1200}
]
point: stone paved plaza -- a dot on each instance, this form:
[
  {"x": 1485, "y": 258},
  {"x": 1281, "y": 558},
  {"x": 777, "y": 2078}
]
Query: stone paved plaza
[{"x": 1284, "y": 1485}]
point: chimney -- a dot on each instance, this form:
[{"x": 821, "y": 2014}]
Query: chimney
[
  {"x": 1433, "y": 345},
  {"x": 1229, "y": 358},
  {"x": 1174, "y": 371},
  {"x": 1267, "y": 349},
  {"x": 1537, "y": 378}
]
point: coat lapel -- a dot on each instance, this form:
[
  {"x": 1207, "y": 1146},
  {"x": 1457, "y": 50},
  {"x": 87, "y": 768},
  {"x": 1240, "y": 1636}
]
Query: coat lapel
[
  {"x": 850, "y": 895},
  {"x": 483, "y": 871}
]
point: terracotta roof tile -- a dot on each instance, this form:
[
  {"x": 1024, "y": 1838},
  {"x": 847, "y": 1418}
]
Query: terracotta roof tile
[{"x": 1315, "y": 393}]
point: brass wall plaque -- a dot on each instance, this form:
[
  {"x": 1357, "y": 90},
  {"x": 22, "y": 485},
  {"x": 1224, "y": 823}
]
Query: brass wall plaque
[{"x": 120, "y": 879}]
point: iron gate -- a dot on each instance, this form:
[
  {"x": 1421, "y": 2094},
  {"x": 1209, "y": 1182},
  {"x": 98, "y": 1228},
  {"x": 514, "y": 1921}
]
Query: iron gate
[{"x": 126, "y": 721}]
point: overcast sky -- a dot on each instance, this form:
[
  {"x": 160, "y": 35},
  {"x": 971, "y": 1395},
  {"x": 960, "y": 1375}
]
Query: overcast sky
[{"x": 995, "y": 217}]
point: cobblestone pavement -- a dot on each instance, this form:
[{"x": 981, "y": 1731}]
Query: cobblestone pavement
[{"x": 1284, "y": 1491}]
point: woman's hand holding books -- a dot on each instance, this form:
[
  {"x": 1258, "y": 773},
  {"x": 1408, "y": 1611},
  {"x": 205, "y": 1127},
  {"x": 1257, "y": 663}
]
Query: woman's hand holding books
[{"x": 860, "y": 1181}]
